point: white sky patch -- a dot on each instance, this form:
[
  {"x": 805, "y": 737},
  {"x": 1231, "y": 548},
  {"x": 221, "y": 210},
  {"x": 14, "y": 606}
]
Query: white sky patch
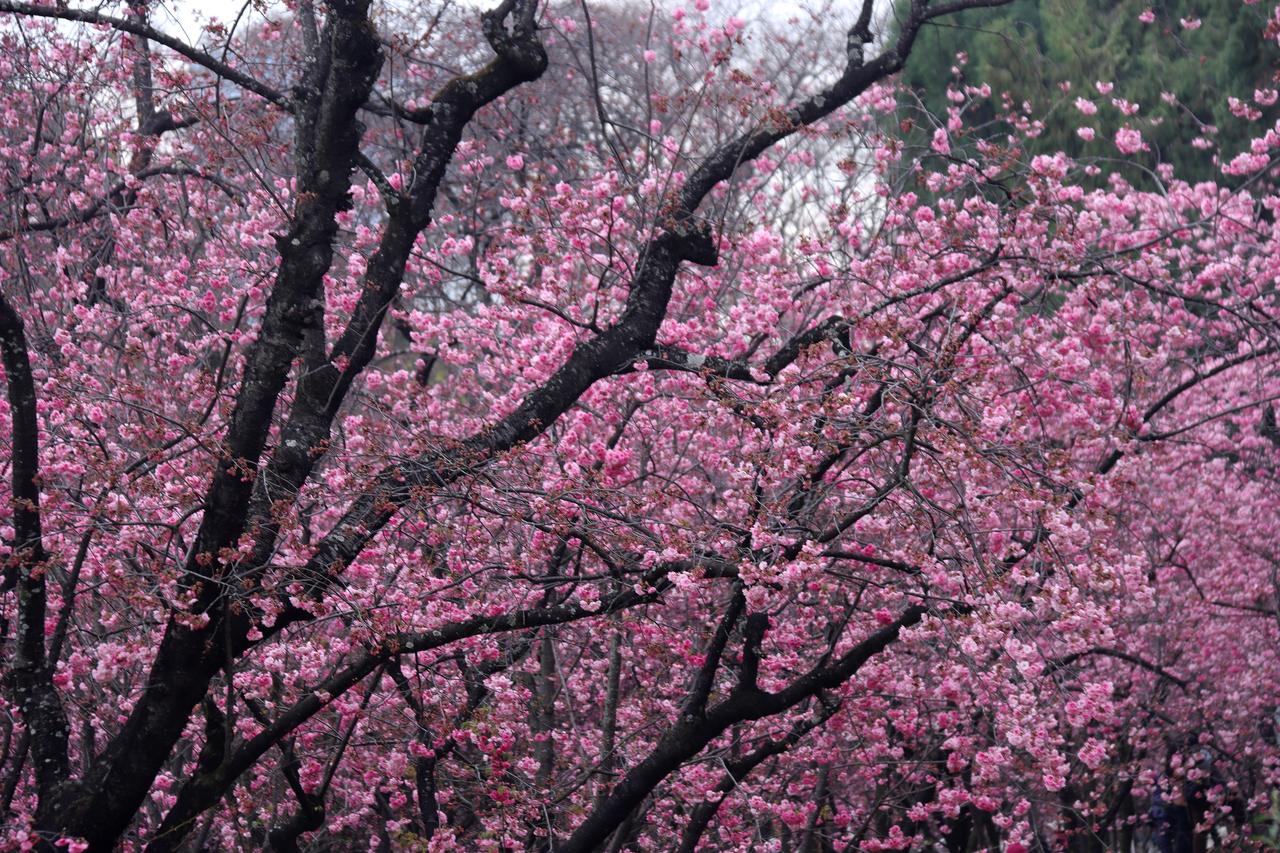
[{"x": 187, "y": 18}]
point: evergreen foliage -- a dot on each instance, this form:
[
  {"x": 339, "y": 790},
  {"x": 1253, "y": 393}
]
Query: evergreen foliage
[{"x": 1029, "y": 49}]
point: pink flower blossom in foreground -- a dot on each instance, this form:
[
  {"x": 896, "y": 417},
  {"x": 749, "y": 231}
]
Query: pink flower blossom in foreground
[{"x": 1129, "y": 140}]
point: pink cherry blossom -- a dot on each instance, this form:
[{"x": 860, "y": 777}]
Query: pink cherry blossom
[
  {"x": 588, "y": 428},
  {"x": 1129, "y": 140}
]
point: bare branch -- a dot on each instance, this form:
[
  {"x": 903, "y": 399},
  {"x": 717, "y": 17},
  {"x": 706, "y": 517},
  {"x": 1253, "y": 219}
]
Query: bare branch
[{"x": 136, "y": 28}]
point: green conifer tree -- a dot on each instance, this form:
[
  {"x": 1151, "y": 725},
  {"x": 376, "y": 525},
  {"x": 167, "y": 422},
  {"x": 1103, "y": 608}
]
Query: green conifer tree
[{"x": 1027, "y": 50}]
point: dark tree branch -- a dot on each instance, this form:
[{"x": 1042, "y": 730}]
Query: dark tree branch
[
  {"x": 326, "y": 147},
  {"x": 114, "y": 199},
  {"x": 738, "y": 769},
  {"x": 695, "y": 702},
  {"x": 752, "y": 637},
  {"x": 203, "y": 790},
  {"x": 25, "y": 569},
  {"x": 856, "y": 78},
  {"x": 690, "y": 734},
  {"x": 617, "y": 347},
  {"x": 134, "y": 27},
  {"x": 323, "y": 388},
  {"x": 240, "y": 498},
  {"x": 1103, "y": 651}
]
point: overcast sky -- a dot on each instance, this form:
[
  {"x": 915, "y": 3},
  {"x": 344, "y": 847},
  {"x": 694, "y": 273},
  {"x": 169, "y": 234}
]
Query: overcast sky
[{"x": 186, "y": 18}]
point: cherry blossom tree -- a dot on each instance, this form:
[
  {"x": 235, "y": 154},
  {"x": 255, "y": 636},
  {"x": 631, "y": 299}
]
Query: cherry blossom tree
[{"x": 596, "y": 428}]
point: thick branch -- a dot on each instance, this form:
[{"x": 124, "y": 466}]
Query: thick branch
[
  {"x": 615, "y": 349},
  {"x": 203, "y": 790},
  {"x": 326, "y": 146},
  {"x": 700, "y": 691},
  {"x": 42, "y": 711},
  {"x": 857, "y": 77},
  {"x": 691, "y": 733},
  {"x": 323, "y": 388},
  {"x": 739, "y": 768}
]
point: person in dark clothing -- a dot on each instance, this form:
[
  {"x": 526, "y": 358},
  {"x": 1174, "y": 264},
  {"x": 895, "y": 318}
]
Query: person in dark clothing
[
  {"x": 1179, "y": 805},
  {"x": 1172, "y": 828}
]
